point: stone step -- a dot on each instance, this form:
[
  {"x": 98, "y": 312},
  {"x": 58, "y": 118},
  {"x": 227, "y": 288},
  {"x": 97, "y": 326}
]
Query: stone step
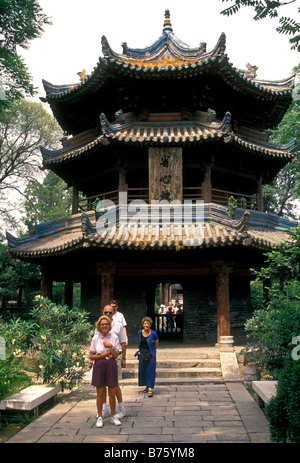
[
  {"x": 173, "y": 381},
  {"x": 180, "y": 353},
  {"x": 177, "y": 373},
  {"x": 178, "y": 365},
  {"x": 182, "y": 363}
]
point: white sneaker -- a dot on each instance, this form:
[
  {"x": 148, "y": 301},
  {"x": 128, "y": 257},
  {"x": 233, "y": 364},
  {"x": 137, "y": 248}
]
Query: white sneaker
[
  {"x": 114, "y": 420},
  {"x": 121, "y": 413},
  {"x": 105, "y": 411},
  {"x": 99, "y": 422}
]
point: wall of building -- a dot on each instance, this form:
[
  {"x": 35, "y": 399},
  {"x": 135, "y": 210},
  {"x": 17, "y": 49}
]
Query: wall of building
[
  {"x": 240, "y": 305},
  {"x": 131, "y": 296},
  {"x": 91, "y": 297},
  {"x": 199, "y": 308}
]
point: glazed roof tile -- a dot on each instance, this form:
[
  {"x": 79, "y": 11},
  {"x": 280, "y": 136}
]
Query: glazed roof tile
[
  {"x": 71, "y": 233},
  {"x": 166, "y": 134},
  {"x": 76, "y": 105},
  {"x": 166, "y": 56}
]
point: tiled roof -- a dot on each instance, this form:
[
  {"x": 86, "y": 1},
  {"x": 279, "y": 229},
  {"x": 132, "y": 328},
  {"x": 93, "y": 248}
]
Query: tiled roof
[
  {"x": 167, "y": 134},
  {"x": 168, "y": 59},
  {"x": 173, "y": 68},
  {"x": 168, "y": 55},
  {"x": 68, "y": 234}
]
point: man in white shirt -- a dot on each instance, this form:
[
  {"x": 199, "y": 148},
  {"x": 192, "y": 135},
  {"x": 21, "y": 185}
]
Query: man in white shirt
[{"x": 119, "y": 317}]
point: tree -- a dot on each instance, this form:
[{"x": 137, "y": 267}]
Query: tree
[
  {"x": 20, "y": 22},
  {"x": 269, "y": 8},
  {"x": 46, "y": 200},
  {"x": 24, "y": 127},
  {"x": 272, "y": 327},
  {"x": 18, "y": 280},
  {"x": 280, "y": 196}
]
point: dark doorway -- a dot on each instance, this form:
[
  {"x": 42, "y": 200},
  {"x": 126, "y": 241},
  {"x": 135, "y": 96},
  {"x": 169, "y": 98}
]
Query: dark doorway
[{"x": 168, "y": 317}]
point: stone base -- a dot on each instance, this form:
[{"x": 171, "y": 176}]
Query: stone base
[{"x": 226, "y": 344}]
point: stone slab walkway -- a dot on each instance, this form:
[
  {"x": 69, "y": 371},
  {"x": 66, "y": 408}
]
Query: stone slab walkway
[{"x": 177, "y": 413}]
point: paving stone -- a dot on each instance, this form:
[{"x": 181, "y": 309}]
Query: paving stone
[
  {"x": 91, "y": 439},
  {"x": 190, "y": 413}
]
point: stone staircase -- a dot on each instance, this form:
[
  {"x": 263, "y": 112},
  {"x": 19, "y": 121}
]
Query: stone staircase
[{"x": 178, "y": 364}]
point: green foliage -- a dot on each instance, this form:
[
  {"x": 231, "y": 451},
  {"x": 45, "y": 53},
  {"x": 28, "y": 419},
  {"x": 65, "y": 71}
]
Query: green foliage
[
  {"x": 17, "y": 335},
  {"x": 274, "y": 326},
  {"x": 279, "y": 196},
  {"x": 273, "y": 329},
  {"x": 283, "y": 263},
  {"x": 24, "y": 127},
  {"x": 17, "y": 276},
  {"x": 60, "y": 343},
  {"x": 46, "y": 200},
  {"x": 232, "y": 205},
  {"x": 20, "y": 22},
  {"x": 283, "y": 410},
  {"x": 268, "y": 8}
]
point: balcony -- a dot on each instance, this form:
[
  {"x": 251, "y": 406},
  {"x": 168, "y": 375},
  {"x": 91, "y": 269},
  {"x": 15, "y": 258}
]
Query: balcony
[{"x": 192, "y": 193}]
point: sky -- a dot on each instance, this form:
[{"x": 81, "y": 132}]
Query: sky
[{"x": 73, "y": 42}]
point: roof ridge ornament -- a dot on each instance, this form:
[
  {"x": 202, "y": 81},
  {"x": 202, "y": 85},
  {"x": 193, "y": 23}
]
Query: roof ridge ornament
[{"x": 167, "y": 22}]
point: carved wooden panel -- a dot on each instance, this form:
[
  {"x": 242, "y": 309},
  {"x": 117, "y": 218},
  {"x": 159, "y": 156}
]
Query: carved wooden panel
[{"x": 165, "y": 174}]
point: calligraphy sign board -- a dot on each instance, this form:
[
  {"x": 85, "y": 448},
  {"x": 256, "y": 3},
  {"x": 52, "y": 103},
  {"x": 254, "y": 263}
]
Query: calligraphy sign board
[{"x": 165, "y": 174}]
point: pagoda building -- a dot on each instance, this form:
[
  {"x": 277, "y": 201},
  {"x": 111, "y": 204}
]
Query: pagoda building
[{"x": 172, "y": 145}]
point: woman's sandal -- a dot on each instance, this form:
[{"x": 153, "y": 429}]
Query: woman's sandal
[
  {"x": 145, "y": 390},
  {"x": 150, "y": 393}
]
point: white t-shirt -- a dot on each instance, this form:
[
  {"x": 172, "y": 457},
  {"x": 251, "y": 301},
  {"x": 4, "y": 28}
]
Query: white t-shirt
[
  {"x": 120, "y": 318},
  {"x": 116, "y": 328},
  {"x": 97, "y": 346}
]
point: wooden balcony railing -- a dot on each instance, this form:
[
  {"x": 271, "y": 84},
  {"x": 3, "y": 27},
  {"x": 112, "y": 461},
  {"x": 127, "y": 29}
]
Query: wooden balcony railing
[
  {"x": 191, "y": 193},
  {"x": 243, "y": 201}
]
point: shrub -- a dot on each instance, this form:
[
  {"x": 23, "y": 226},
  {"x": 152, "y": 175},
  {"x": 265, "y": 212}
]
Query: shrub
[
  {"x": 60, "y": 343},
  {"x": 273, "y": 328},
  {"x": 283, "y": 410},
  {"x": 16, "y": 334}
]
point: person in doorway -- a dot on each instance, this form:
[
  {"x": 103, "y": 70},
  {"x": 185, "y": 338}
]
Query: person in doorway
[
  {"x": 117, "y": 328},
  {"x": 119, "y": 317},
  {"x": 161, "y": 311},
  {"x": 104, "y": 350},
  {"x": 179, "y": 317},
  {"x": 148, "y": 344},
  {"x": 170, "y": 315}
]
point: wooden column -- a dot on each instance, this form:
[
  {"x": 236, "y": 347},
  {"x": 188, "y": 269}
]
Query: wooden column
[
  {"x": 123, "y": 186},
  {"x": 68, "y": 294},
  {"x": 46, "y": 286},
  {"x": 206, "y": 185},
  {"x": 259, "y": 195},
  {"x": 223, "y": 303},
  {"x": 75, "y": 200},
  {"x": 107, "y": 288},
  {"x": 150, "y": 299}
]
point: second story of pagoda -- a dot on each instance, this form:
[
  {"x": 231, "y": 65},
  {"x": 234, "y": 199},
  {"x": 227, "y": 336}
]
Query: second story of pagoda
[{"x": 169, "y": 122}]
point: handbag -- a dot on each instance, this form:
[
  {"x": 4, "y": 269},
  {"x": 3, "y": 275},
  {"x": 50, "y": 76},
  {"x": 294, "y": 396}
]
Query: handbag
[{"x": 144, "y": 356}]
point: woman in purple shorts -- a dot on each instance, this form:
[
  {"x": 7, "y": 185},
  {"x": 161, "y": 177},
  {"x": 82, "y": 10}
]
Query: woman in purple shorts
[{"x": 104, "y": 350}]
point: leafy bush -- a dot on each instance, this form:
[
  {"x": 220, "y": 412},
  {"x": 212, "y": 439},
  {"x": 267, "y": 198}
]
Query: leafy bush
[
  {"x": 16, "y": 334},
  {"x": 60, "y": 343},
  {"x": 283, "y": 411},
  {"x": 273, "y": 328}
]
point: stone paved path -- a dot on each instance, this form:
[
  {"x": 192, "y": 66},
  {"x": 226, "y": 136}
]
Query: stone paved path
[{"x": 185, "y": 413}]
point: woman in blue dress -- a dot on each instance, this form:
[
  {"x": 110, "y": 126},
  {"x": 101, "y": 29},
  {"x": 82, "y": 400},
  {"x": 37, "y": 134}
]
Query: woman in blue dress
[{"x": 147, "y": 343}]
